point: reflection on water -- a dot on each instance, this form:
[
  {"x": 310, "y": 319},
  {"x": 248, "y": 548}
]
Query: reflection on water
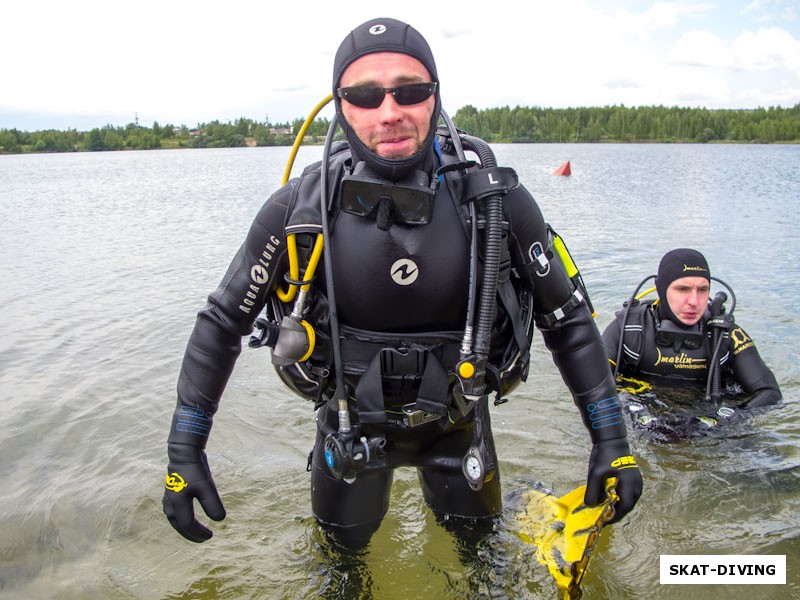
[{"x": 106, "y": 257}]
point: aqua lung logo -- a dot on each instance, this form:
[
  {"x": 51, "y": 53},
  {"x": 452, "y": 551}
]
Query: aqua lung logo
[
  {"x": 404, "y": 271},
  {"x": 259, "y": 274},
  {"x": 377, "y": 29}
]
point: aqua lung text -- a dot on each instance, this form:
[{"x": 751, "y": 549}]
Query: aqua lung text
[{"x": 259, "y": 273}]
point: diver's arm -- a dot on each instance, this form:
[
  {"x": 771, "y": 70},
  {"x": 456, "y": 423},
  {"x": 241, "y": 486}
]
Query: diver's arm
[
  {"x": 577, "y": 348},
  {"x": 751, "y": 372},
  {"x": 231, "y": 309},
  {"x": 214, "y": 346},
  {"x": 578, "y": 353},
  {"x": 566, "y": 324}
]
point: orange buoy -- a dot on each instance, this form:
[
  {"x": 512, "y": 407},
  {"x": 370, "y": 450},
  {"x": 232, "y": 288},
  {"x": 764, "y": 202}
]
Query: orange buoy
[{"x": 563, "y": 169}]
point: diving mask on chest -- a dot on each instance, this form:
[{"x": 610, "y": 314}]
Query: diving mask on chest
[
  {"x": 670, "y": 334},
  {"x": 408, "y": 201}
]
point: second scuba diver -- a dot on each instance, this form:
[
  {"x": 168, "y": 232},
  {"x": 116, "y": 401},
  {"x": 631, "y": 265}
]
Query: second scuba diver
[
  {"x": 684, "y": 336},
  {"x": 432, "y": 270}
]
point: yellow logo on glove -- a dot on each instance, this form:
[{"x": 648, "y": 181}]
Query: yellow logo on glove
[
  {"x": 624, "y": 462},
  {"x": 175, "y": 482}
]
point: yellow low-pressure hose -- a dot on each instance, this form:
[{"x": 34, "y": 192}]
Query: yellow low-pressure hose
[
  {"x": 298, "y": 141},
  {"x": 291, "y": 243},
  {"x": 644, "y": 293}
]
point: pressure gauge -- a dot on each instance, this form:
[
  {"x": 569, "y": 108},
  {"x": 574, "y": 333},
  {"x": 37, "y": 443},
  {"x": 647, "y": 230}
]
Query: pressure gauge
[{"x": 472, "y": 465}]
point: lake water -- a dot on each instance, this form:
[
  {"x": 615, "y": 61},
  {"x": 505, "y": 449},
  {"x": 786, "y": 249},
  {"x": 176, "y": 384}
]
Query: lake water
[{"x": 106, "y": 257}]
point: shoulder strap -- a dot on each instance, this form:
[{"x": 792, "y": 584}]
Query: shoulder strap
[
  {"x": 304, "y": 213},
  {"x": 633, "y": 335}
]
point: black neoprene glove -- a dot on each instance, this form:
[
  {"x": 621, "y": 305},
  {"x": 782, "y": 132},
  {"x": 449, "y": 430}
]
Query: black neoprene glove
[
  {"x": 188, "y": 477},
  {"x": 612, "y": 458}
]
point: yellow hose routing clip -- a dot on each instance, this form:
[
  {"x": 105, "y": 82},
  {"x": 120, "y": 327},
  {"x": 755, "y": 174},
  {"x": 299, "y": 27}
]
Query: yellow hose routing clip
[{"x": 296, "y": 338}]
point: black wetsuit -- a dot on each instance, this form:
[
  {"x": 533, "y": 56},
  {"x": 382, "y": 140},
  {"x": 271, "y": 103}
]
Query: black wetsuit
[
  {"x": 643, "y": 356},
  {"x": 426, "y": 293}
]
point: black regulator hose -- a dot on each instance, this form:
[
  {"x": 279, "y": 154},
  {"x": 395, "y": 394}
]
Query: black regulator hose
[
  {"x": 341, "y": 392},
  {"x": 719, "y": 323},
  {"x": 467, "y": 341},
  {"x": 715, "y": 375},
  {"x": 493, "y": 214}
]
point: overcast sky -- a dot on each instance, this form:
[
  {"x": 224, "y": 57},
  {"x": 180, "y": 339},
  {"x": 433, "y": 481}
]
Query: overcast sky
[{"x": 84, "y": 63}]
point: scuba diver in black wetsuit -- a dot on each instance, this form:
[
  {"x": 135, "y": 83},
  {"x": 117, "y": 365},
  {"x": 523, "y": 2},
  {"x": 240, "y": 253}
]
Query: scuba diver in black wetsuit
[
  {"x": 683, "y": 336},
  {"x": 432, "y": 270}
]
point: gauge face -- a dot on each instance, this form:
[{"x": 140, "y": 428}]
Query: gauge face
[{"x": 473, "y": 467}]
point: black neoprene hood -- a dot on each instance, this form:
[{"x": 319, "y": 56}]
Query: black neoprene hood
[
  {"x": 382, "y": 35},
  {"x": 385, "y": 35},
  {"x": 681, "y": 262}
]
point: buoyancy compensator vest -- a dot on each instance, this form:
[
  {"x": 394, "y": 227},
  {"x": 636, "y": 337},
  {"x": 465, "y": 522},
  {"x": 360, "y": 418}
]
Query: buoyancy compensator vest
[{"x": 408, "y": 356}]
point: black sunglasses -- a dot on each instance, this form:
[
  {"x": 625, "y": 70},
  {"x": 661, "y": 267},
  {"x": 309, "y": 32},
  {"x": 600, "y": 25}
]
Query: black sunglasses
[{"x": 367, "y": 96}]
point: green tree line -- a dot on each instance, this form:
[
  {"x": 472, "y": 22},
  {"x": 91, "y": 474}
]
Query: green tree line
[
  {"x": 621, "y": 124},
  {"x": 497, "y": 125},
  {"x": 242, "y": 132}
]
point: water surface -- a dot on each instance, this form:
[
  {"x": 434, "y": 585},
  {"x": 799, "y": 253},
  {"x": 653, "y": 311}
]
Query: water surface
[{"x": 106, "y": 257}]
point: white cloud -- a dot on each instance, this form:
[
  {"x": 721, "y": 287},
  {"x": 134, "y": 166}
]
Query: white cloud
[
  {"x": 660, "y": 16},
  {"x": 184, "y": 61},
  {"x": 772, "y": 11},
  {"x": 767, "y": 49},
  {"x": 701, "y": 49}
]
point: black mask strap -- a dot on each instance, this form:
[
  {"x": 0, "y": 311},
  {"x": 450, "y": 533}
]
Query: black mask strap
[{"x": 385, "y": 216}]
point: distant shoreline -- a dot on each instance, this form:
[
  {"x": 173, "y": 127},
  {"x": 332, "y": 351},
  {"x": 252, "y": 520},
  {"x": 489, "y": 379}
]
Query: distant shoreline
[
  {"x": 252, "y": 144},
  {"x": 526, "y": 125}
]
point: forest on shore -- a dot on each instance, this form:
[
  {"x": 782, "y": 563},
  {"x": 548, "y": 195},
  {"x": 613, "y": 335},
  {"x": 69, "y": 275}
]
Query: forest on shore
[{"x": 620, "y": 124}]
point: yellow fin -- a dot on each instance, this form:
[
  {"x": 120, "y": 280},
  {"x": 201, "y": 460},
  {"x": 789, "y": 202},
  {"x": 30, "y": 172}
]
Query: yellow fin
[{"x": 565, "y": 531}]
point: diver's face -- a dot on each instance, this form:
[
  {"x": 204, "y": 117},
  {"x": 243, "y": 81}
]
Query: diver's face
[
  {"x": 392, "y": 130},
  {"x": 688, "y": 298}
]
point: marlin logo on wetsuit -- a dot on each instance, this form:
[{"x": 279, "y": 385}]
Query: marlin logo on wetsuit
[{"x": 679, "y": 361}]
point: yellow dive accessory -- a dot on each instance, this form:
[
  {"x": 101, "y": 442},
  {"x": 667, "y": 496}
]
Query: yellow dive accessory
[
  {"x": 561, "y": 249},
  {"x": 297, "y": 338},
  {"x": 634, "y": 386},
  {"x": 291, "y": 243},
  {"x": 644, "y": 293},
  {"x": 565, "y": 532},
  {"x": 572, "y": 271}
]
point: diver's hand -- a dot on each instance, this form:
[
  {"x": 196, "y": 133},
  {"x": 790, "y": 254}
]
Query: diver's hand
[
  {"x": 188, "y": 477},
  {"x": 612, "y": 458}
]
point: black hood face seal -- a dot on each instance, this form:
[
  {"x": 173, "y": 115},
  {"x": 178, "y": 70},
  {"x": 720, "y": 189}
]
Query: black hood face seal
[
  {"x": 675, "y": 264},
  {"x": 386, "y": 35}
]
